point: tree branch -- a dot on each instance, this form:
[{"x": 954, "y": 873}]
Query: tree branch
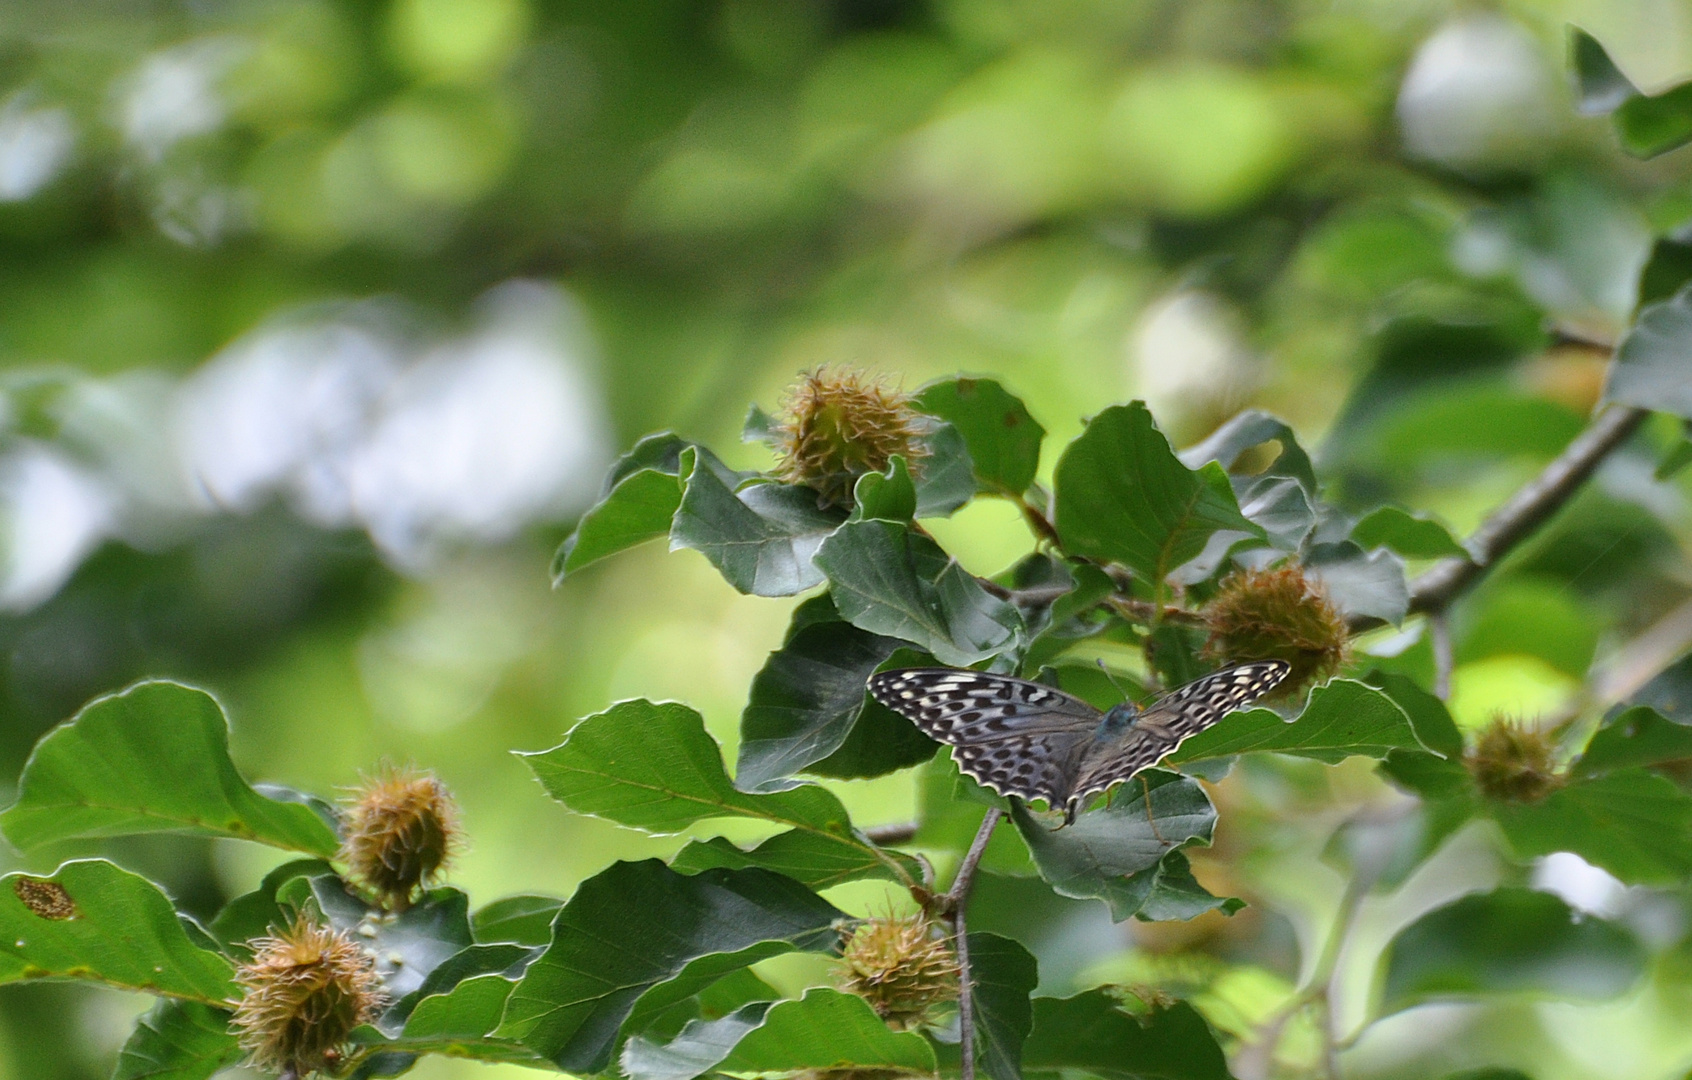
[
  {"x": 1526, "y": 510},
  {"x": 957, "y": 899}
]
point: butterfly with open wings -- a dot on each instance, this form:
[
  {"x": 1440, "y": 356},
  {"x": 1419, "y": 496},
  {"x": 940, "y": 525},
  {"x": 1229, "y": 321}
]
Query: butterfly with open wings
[{"x": 1027, "y": 740}]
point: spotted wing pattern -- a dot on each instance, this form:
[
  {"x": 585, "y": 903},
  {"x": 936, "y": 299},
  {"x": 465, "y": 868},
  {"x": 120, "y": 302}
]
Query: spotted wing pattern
[
  {"x": 1171, "y": 720},
  {"x": 1017, "y": 737}
]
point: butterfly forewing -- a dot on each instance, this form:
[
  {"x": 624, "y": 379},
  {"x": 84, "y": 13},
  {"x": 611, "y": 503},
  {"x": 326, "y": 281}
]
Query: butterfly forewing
[
  {"x": 959, "y": 707},
  {"x": 1171, "y": 720}
]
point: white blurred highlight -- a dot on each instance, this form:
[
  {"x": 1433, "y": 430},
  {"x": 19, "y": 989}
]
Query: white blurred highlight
[
  {"x": 1581, "y": 885},
  {"x": 173, "y": 94},
  {"x": 35, "y": 144},
  {"x": 1479, "y": 94},
  {"x": 1187, "y": 349},
  {"x": 56, "y": 512}
]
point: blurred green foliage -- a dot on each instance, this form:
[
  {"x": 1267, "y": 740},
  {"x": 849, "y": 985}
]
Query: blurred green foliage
[{"x": 1398, "y": 226}]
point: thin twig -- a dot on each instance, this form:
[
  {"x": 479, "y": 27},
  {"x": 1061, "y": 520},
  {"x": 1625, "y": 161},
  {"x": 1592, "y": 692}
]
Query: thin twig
[
  {"x": 1439, "y": 627},
  {"x": 957, "y": 899},
  {"x": 899, "y": 832},
  {"x": 1526, "y": 510}
]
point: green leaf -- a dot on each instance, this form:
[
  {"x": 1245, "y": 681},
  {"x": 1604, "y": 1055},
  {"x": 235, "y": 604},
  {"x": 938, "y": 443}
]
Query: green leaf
[
  {"x": 761, "y": 538},
  {"x": 1411, "y": 535},
  {"x": 825, "y": 1029},
  {"x": 655, "y": 768},
  {"x": 1650, "y": 366},
  {"x": 1359, "y": 583},
  {"x": 1090, "y": 1032},
  {"x": 1428, "y": 716},
  {"x": 809, "y": 699},
  {"x": 1123, "y": 496},
  {"x": 889, "y": 580},
  {"x": 259, "y": 913},
  {"x": 153, "y": 758},
  {"x": 1061, "y": 624},
  {"x": 944, "y": 478},
  {"x": 407, "y": 946},
  {"x": 504, "y": 960},
  {"x": 178, "y": 1040},
  {"x": 1655, "y": 124},
  {"x": 1245, "y": 431},
  {"x": 1343, "y": 719},
  {"x": 1509, "y": 941},
  {"x": 1005, "y": 975},
  {"x": 92, "y": 920},
  {"x": 1003, "y": 439},
  {"x": 1640, "y": 736},
  {"x": 1668, "y": 268},
  {"x": 889, "y": 495},
  {"x": 1675, "y": 460},
  {"x": 1600, "y": 86},
  {"x": 1669, "y": 691},
  {"x": 523, "y": 920},
  {"x": 1112, "y": 853},
  {"x": 1635, "y": 824},
  {"x": 640, "y": 496},
  {"x": 635, "y": 926},
  {"x": 818, "y": 862}
]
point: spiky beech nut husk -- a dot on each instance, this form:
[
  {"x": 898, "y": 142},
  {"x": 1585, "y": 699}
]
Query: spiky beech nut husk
[
  {"x": 1277, "y": 614},
  {"x": 1513, "y": 762},
  {"x": 401, "y": 830},
  {"x": 902, "y": 967},
  {"x": 306, "y": 989},
  {"x": 838, "y": 425}
]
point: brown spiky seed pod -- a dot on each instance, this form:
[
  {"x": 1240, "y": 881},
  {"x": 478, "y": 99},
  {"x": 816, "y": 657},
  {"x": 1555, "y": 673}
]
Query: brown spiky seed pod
[
  {"x": 1277, "y": 615},
  {"x": 841, "y": 424},
  {"x": 401, "y": 829},
  {"x": 306, "y": 989},
  {"x": 1513, "y": 762},
  {"x": 902, "y": 967}
]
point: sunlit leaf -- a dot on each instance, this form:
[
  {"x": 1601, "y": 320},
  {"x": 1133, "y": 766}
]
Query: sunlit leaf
[
  {"x": 93, "y": 920},
  {"x": 804, "y": 856},
  {"x": 639, "y": 498},
  {"x": 1509, "y": 941},
  {"x": 1411, "y": 535},
  {"x": 1342, "y": 719},
  {"x": 178, "y": 1040},
  {"x": 1123, "y": 496},
  {"x": 153, "y": 758},
  {"x": 654, "y": 767},
  {"x": 523, "y": 920},
  {"x": 1003, "y": 439},
  {"x": 635, "y": 926},
  {"x": 889, "y": 580},
  {"x": 888, "y": 495}
]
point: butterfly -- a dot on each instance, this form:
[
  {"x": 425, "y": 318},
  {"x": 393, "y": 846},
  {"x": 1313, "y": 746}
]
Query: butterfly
[{"x": 1030, "y": 741}]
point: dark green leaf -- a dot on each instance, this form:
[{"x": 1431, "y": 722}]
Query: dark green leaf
[
  {"x": 1112, "y": 853},
  {"x": 640, "y": 497},
  {"x": 524, "y": 920},
  {"x": 178, "y": 1040},
  {"x": 1003, "y": 439},
  {"x": 504, "y": 960},
  {"x": 804, "y": 856},
  {"x": 1249, "y": 429},
  {"x": 1635, "y": 824},
  {"x": 761, "y": 538},
  {"x": 407, "y": 946},
  {"x": 1091, "y": 1033},
  {"x": 259, "y": 913},
  {"x": 1004, "y": 974},
  {"x": 1669, "y": 691},
  {"x": 889, "y": 580},
  {"x": 1060, "y": 624},
  {"x": 944, "y": 477},
  {"x": 1360, "y": 584},
  {"x": 889, "y": 495},
  {"x": 654, "y": 767},
  {"x": 1410, "y": 535},
  {"x": 1675, "y": 460},
  {"x": 1123, "y": 496},
  {"x": 824, "y": 1030},
  {"x": 808, "y": 699},
  {"x": 1650, "y": 366},
  {"x": 92, "y": 920},
  {"x": 634, "y": 926},
  {"x": 1342, "y": 719},
  {"x": 1654, "y": 125},
  {"x": 1601, "y": 86},
  {"x": 1510, "y": 941},
  {"x": 153, "y": 758},
  {"x": 1668, "y": 269},
  {"x": 1176, "y": 894},
  {"x": 1637, "y": 736}
]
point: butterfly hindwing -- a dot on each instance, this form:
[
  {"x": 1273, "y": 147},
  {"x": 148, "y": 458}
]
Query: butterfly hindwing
[
  {"x": 958, "y": 707},
  {"x": 1026, "y": 766}
]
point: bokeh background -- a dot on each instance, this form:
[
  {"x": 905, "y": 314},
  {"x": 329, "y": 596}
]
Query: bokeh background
[{"x": 319, "y": 322}]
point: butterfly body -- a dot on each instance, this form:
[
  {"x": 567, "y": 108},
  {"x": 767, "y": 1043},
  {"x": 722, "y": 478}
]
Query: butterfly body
[{"x": 1027, "y": 740}]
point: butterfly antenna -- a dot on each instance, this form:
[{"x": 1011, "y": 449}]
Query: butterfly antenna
[{"x": 1099, "y": 660}]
